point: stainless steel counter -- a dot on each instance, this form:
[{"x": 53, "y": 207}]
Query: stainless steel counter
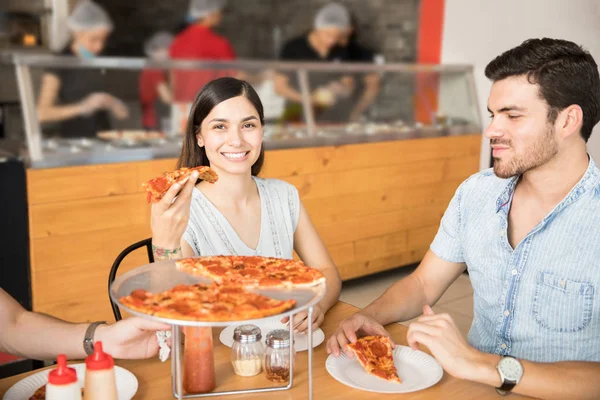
[
  {"x": 75, "y": 152},
  {"x": 405, "y": 89}
]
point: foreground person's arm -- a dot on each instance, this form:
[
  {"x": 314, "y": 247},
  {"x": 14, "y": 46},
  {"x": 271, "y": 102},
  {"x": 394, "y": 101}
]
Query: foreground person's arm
[
  {"x": 404, "y": 300},
  {"x": 560, "y": 380},
  {"x": 39, "y": 336}
]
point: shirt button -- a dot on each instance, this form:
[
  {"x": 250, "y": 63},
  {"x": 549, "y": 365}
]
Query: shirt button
[
  {"x": 257, "y": 251},
  {"x": 502, "y": 232},
  {"x": 506, "y": 313},
  {"x": 503, "y": 346},
  {"x": 562, "y": 283},
  {"x": 514, "y": 272}
]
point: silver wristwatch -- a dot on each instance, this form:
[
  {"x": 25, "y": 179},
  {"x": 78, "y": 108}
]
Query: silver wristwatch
[
  {"x": 511, "y": 372},
  {"x": 88, "y": 339}
]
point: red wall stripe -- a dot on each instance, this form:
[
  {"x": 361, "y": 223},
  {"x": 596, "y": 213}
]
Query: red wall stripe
[{"x": 429, "y": 51}]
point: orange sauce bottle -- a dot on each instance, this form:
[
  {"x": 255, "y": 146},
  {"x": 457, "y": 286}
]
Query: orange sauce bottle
[{"x": 198, "y": 360}]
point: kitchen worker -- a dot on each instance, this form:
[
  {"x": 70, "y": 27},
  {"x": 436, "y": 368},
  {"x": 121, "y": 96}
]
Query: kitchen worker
[
  {"x": 153, "y": 83},
  {"x": 42, "y": 337},
  {"x": 319, "y": 45},
  {"x": 199, "y": 42},
  {"x": 76, "y": 98},
  {"x": 369, "y": 84}
]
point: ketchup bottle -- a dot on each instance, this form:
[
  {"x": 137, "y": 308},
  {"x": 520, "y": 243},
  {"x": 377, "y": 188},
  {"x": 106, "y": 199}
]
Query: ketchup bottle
[
  {"x": 62, "y": 382},
  {"x": 100, "y": 381}
]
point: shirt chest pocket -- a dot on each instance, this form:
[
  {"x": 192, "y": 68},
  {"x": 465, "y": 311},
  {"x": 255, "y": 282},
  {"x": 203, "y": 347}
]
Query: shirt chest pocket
[{"x": 562, "y": 305}]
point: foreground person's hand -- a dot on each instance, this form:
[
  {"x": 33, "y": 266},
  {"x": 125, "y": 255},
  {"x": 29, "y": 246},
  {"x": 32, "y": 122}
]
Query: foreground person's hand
[
  {"x": 348, "y": 330},
  {"x": 300, "y": 321},
  {"x": 131, "y": 338},
  {"x": 169, "y": 217},
  {"x": 439, "y": 333}
]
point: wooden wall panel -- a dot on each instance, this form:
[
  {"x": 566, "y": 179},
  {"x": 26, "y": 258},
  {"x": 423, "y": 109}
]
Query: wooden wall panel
[
  {"x": 377, "y": 206},
  {"x": 75, "y": 183},
  {"x": 293, "y": 162},
  {"x": 362, "y": 268}
]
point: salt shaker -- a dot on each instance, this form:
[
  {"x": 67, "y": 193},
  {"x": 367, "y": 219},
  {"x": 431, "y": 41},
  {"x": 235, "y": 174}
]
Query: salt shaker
[
  {"x": 277, "y": 355},
  {"x": 247, "y": 352}
]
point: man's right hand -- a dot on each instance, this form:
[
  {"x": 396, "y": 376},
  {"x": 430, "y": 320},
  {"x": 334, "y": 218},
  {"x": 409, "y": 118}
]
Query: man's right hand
[
  {"x": 170, "y": 215},
  {"x": 347, "y": 333}
]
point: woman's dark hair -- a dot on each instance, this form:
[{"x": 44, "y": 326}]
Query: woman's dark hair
[
  {"x": 210, "y": 95},
  {"x": 565, "y": 72}
]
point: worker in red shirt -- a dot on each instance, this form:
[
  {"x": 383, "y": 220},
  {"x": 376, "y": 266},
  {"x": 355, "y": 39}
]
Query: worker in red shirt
[
  {"x": 199, "y": 42},
  {"x": 153, "y": 83}
]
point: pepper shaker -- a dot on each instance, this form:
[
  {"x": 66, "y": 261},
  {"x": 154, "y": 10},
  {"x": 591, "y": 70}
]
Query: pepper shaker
[{"x": 277, "y": 355}]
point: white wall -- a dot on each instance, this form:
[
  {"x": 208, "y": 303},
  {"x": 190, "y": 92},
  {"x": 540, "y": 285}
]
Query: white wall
[{"x": 476, "y": 31}]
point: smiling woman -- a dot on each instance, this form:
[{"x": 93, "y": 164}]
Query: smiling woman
[
  {"x": 223, "y": 95},
  {"x": 240, "y": 214}
]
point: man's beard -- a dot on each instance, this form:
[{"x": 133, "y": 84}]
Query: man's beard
[{"x": 538, "y": 154}]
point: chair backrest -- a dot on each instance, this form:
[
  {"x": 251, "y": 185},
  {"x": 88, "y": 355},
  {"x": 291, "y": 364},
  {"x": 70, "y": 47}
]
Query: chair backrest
[{"x": 115, "y": 267}]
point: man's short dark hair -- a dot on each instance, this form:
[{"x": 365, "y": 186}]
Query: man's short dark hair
[{"x": 565, "y": 72}]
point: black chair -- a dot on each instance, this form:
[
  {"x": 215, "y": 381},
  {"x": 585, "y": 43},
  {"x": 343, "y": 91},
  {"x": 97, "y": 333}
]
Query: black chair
[{"x": 113, "y": 271}]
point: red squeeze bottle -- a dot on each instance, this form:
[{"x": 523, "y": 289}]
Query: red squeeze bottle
[
  {"x": 100, "y": 381},
  {"x": 62, "y": 382}
]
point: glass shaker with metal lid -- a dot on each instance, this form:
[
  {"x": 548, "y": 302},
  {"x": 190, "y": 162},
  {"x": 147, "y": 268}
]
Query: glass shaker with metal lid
[
  {"x": 277, "y": 355},
  {"x": 247, "y": 352}
]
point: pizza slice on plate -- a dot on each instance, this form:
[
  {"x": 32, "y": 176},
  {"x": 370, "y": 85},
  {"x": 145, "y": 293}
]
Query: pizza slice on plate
[
  {"x": 375, "y": 354},
  {"x": 157, "y": 187}
]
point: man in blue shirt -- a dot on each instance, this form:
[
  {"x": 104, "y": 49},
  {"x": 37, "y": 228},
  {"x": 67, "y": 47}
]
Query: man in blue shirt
[{"x": 528, "y": 232}]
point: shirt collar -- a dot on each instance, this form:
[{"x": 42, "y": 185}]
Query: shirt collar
[{"x": 589, "y": 181}]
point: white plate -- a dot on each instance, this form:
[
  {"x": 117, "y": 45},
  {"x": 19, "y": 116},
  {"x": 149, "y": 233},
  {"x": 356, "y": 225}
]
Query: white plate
[
  {"x": 270, "y": 324},
  {"x": 418, "y": 371},
  {"x": 127, "y": 383}
]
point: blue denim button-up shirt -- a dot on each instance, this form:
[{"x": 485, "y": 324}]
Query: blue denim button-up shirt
[{"x": 540, "y": 301}]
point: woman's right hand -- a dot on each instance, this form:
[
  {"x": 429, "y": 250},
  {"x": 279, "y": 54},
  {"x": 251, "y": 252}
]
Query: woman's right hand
[{"x": 169, "y": 217}]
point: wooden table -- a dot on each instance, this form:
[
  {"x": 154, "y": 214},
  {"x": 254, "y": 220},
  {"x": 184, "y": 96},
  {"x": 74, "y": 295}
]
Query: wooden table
[{"x": 155, "y": 377}]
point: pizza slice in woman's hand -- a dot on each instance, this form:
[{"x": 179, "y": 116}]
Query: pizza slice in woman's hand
[{"x": 157, "y": 187}]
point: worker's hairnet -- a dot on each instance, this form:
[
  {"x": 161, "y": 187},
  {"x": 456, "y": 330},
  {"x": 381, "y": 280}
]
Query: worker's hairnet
[
  {"x": 159, "y": 41},
  {"x": 88, "y": 15},
  {"x": 201, "y": 8},
  {"x": 333, "y": 15}
]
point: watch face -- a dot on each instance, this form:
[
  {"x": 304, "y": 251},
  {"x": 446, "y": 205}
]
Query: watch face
[{"x": 511, "y": 368}]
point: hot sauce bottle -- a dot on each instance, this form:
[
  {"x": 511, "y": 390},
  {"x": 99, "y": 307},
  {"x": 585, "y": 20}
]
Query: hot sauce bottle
[{"x": 198, "y": 360}]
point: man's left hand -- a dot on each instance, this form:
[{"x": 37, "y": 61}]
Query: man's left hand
[{"x": 439, "y": 333}]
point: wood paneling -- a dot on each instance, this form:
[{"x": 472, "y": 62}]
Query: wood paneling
[{"x": 377, "y": 206}]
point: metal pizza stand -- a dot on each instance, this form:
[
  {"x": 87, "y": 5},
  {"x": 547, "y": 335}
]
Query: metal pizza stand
[{"x": 160, "y": 276}]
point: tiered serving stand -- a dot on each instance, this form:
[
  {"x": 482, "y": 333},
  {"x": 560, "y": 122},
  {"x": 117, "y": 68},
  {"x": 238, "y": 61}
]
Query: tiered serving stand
[{"x": 163, "y": 275}]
